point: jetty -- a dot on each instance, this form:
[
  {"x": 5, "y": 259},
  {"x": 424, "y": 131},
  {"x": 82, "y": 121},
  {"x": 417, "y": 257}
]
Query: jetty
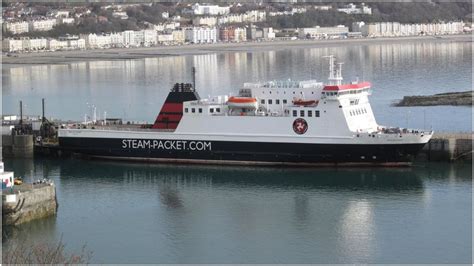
[
  {"x": 22, "y": 203},
  {"x": 450, "y": 98}
]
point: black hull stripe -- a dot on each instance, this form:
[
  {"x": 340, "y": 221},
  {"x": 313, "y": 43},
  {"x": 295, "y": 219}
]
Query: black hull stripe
[{"x": 276, "y": 153}]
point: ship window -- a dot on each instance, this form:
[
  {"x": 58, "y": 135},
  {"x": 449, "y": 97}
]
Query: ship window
[
  {"x": 316, "y": 113},
  {"x": 270, "y": 101},
  {"x": 218, "y": 110},
  {"x": 302, "y": 113},
  {"x": 295, "y": 113},
  {"x": 310, "y": 113},
  {"x": 262, "y": 101},
  {"x": 284, "y": 101},
  {"x": 193, "y": 110},
  {"x": 200, "y": 110},
  {"x": 211, "y": 110},
  {"x": 277, "y": 101},
  {"x": 186, "y": 110}
]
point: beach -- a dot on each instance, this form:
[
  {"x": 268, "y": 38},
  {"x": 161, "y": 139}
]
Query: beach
[{"x": 64, "y": 57}]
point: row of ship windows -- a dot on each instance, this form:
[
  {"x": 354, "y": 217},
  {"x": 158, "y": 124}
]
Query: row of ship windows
[
  {"x": 332, "y": 93},
  {"x": 270, "y": 101},
  {"x": 309, "y": 113},
  {"x": 193, "y": 110},
  {"x": 358, "y": 112},
  {"x": 284, "y": 92}
]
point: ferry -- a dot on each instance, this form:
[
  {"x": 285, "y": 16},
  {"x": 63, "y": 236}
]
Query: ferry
[{"x": 269, "y": 123}]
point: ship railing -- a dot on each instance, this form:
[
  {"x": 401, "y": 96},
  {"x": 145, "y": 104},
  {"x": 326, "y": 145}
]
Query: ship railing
[
  {"x": 117, "y": 128},
  {"x": 405, "y": 131}
]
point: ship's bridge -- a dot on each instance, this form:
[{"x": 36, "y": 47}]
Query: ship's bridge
[{"x": 352, "y": 89}]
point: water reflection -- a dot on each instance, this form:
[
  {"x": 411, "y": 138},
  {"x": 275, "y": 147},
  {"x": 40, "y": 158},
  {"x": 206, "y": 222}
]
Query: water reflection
[
  {"x": 253, "y": 215},
  {"x": 182, "y": 176}
]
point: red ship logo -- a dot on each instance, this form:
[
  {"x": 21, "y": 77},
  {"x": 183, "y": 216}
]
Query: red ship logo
[{"x": 300, "y": 126}]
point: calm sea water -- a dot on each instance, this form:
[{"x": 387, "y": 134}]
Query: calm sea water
[
  {"x": 139, "y": 213},
  {"x": 136, "y": 89}
]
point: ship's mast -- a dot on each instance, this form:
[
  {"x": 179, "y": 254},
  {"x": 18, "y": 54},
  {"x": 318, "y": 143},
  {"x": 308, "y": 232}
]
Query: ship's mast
[{"x": 335, "y": 74}]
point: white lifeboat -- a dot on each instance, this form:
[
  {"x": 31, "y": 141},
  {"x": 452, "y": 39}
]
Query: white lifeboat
[{"x": 242, "y": 102}]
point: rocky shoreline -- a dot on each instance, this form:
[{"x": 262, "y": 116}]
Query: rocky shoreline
[{"x": 463, "y": 98}]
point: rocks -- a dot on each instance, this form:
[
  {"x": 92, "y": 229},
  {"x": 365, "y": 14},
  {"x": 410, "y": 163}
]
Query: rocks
[{"x": 451, "y": 98}]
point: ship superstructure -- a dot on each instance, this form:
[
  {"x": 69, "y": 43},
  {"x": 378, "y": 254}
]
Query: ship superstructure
[{"x": 275, "y": 122}]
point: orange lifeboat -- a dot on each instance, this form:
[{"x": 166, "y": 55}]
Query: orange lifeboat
[
  {"x": 301, "y": 102},
  {"x": 242, "y": 102}
]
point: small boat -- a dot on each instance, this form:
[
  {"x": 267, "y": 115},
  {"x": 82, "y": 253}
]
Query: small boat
[
  {"x": 302, "y": 102},
  {"x": 242, "y": 102}
]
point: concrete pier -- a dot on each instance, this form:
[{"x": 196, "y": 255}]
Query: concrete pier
[
  {"x": 19, "y": 146},
  {"x": 448, "y": 147},
  {"x": 28, "y": 202}
]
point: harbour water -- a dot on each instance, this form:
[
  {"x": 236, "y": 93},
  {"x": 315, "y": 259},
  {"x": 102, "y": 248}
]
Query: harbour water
[
  {"x": 140, "y": 213},
  {"x": 145, "y": 213},
  {"x": 136, "y": 89}
]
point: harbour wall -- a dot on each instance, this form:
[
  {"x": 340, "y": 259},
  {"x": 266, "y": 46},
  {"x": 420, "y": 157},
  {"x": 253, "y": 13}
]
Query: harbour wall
[
  {"x": 448, "y": 147},
  {"x": 20, "y": 146},
  {"x": 28, "y": 202}
]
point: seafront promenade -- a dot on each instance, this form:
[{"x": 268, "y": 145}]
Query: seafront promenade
[{"x": 61, "y": 57}]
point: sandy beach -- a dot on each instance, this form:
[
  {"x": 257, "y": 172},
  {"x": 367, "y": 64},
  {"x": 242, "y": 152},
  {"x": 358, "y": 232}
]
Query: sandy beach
[{"x": 62, "y": 57}]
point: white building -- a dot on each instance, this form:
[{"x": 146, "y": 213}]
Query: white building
[
  {"x": 128, "y": 37},
  {"x": 58, "y": 13},
  {"x": 205, "y": 21},
  {"x": 353, "y": 9},
  {"x": 76, "y": 44},
  {"x": 165, "y": 38},
  {"x": 323, "y": 32},
  {"x": 389, "y": 29},
  {"x": 240, "y": 34},
  {"x": 116, "y": 39},
  {"x": 94, "y": 41},
  {"x": 179, "y": 36},
  {"x": 16, "y": 27},
  {"x": 65, "y": 20},
  {"x": 120, "y": 14},
  {"x": 201, "y": 34},
  {"x": 268, "y": 33},
  {"x": 146, "y": 37},
  {"x": 12, "y": 45},
  {"x": 34, "y": 44},
  {"x": 198, "y": 9},
  {"x": 42, "y": 25},
  {"x": 166, "y": 26},
  {"x": 255, "y": 16},
  {"x": 54, "y": 44}
]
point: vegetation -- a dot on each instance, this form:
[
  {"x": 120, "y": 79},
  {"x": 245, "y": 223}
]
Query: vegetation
[
  {"x": 139, "y": 16},
  {"x": 43, "y": 254},
  {"x": 414, "y": 12}
]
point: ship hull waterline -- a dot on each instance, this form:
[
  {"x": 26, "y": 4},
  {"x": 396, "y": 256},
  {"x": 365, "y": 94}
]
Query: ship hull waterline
[{"x": 244, "y": 153}]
